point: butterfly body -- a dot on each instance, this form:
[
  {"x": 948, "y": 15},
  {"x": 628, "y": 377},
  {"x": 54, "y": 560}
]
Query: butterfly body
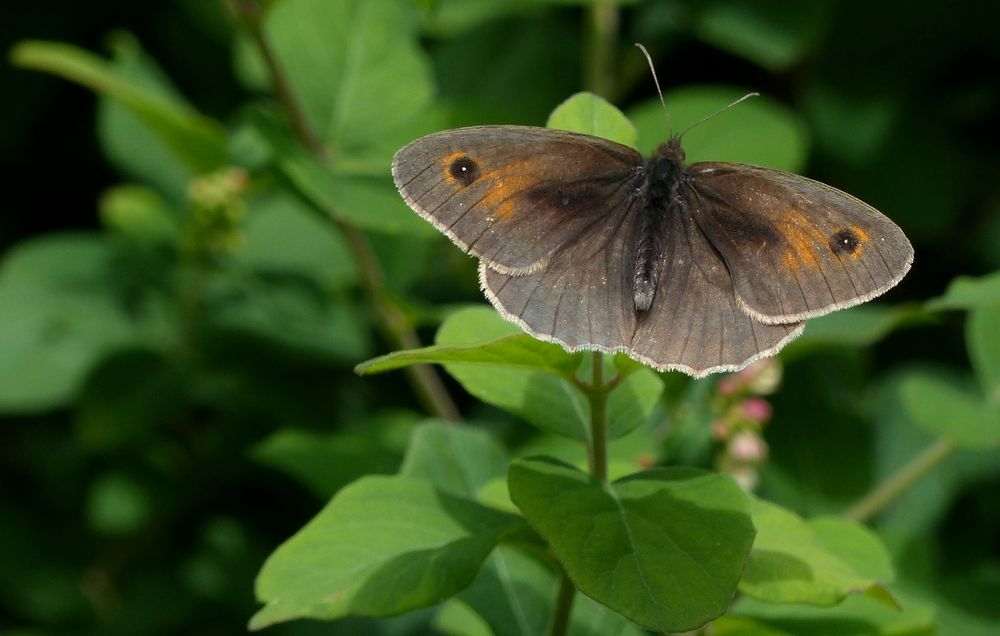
[{"x": 699, "y": 268}]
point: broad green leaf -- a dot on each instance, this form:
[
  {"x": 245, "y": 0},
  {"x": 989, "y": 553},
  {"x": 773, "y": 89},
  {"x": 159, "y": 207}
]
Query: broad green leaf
[
  {"x": 458, "y": 619},
  {"x": 631, "y": 403},
  {"x": 517, "y": 351},
  {"x": 326, "y": 462},
  {"x": 514, "y": 595},
  {"x": 967, "y": 292},
  {"x": 593, "y": 115},
  {"x": 354, "y": 65},
  {"x": 457, "y": 460},
  {"x": 193, "y": 139},
  {"x": 798, "y": 562},
  {"x": 59, "y": 315},
  {"x": 665, "y": 548},
  {"x": 773, "y": 34},
  {"x": 982, "y": 333},
  {"x": 138, "y": 146},
  {"x": 950, "y": 407},
  {"x": 284, "y": 235},
  {"x": 730, "y": 626},
  {"x": 382, "y": 546},
  {"x": 857, "y": 615},
  {"x": 759, "y": 130},
  {"x": 479, "y": 336},
  {"x": 369, "y": 202},
  {"x": 509, "y": 71},
  {"x": 855, "y": 545},
  {"x": 300, "y": 318},
  {"x": 514, "y": 372},
  {"x": 448, "y": 18},
  {"x": 924, "y": 505}
]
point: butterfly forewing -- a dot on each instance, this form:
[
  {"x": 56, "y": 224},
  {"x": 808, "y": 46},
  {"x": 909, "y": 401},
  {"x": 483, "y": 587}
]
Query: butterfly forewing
[
  {"x": 796, "y": 248},
  {"x": 513, "y": 195}
]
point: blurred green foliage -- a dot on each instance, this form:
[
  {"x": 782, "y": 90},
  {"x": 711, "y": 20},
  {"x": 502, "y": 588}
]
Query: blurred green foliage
[{"x": 182, "y": 305}]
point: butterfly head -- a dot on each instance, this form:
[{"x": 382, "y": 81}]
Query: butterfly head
[{"x": 671, "y": 151}]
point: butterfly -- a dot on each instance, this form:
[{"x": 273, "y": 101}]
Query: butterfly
[{"x": 699, "y": 268}]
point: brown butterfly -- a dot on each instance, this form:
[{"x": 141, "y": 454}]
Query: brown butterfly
[{"x": 699, "y": 268}]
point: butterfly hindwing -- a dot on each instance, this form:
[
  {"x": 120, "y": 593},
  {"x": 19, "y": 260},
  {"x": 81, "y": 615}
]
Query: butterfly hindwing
[
  {"x": 695, "y": 324},
  {"x": 582, "y": 297}
]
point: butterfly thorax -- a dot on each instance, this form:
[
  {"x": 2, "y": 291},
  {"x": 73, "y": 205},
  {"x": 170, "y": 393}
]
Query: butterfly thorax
[{"x": 665, "y": 174}]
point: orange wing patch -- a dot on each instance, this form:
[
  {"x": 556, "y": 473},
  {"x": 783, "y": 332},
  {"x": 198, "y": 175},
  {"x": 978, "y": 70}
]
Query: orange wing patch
[
  {"x": 802, "y": 241},
  {"x": 503, "y": 182}
]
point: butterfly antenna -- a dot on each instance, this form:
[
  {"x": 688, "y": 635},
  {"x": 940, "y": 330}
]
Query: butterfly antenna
[
  {"x": 719, "y": 112},
  {"x": 649, "y": 60}
]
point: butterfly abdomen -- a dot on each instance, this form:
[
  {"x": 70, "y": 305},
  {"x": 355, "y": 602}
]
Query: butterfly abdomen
[{"x": 665, "y": 175}]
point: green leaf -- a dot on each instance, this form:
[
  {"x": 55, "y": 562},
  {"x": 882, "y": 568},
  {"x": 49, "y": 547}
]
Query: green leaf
[
  {"x": 326, "y": 462},
  {"x": 730, "y": 626},
  {"x": 517, "y": 373},
  {"x": 665, "y": 548},
  {"x": 773, "y": 34},
  {"x": 364, "y": 201},
  {"x": 194, "y": 140},
  {"x": 759, "y": 131},
  {"x": 457, "y": 460},
  {"x": 982, "y": 334},
  {"x": 817, "y": 563},
  {"x": 478, "y": 335},
  {"x": 382, "y": 546},
  {"x": 631, "y": 403},
  {"x": 593, "y": 115},
  {"x": 354, "y": 65},
  {"x": 299, "y": 318},
  {"x": 950, "y": 407},
  {"x": 966, "y": 292},
  {"x": 283, "y": 235},
  {"x": 59, "y": 315},
  {"x": 513, "y": 594},
  {"x": 857, "y": 615}
]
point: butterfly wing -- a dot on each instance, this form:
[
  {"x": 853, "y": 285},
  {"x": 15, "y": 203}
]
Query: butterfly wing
[
  {"x": 582, "y": 297},
  {"x": 796, "y": 248},
  {"x": 514, "y": 195},
  {"x": 695, "y": 324}
]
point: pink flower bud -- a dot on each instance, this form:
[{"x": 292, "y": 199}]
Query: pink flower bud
[
  {"x": 748, "y": 448},
  {"x": 757, "y": 409}
]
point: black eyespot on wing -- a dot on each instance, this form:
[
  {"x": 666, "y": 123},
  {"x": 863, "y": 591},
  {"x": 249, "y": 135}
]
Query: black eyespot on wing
[
  {"x": 464, "y": 170},
  {"x": 844, "y": 242}
]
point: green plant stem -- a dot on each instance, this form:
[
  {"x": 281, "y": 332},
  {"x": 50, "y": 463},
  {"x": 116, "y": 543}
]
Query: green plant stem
[
  {"x": 392, "y": 321},
  {"x": 564, "y": 605},
  {"x": 598, "y": 393},
  {"x": 884, "y": 494},
  {"x": 602, "y": 36}
]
